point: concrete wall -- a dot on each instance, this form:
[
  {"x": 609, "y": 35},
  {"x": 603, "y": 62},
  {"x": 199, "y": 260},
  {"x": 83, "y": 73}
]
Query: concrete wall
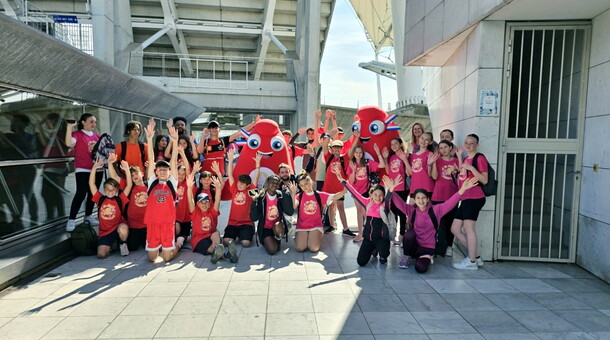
[
  {"x": 430, "y": 22},
  {"x": 594, "y": 218},
  {"x": 453, "y": 101}
]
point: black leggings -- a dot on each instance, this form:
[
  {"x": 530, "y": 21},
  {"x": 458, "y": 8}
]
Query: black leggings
[
  {"x": 82, "y": 191},
  {"x": 398, "y": 213},
  {"x": 411, "y": 248},
  {"x": 366, "y": 249},
  {"x": 446, "y": 222}
]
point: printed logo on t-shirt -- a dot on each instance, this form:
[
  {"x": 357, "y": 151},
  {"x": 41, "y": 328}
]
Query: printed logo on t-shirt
[
  {"x": 446, "y": 171},
  {"x": 240, "y": 198},
  {"x": 206, "y": 223},
  {"x": 108, "y": 212},
  {"x": 463, "y": 173},
  {"x": 91, "y": 145},
  {"x": 180, "y": 193},
  {"x": 395, "y": 165},
  {"x": 310, "y": 207},
  {"x": 273, "y": 213},
  {"x": 140, "y": 199},
  {"x": 417, "y": 165},
  {"x": 361, "y": 173}
]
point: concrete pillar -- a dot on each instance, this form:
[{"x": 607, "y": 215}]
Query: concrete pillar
[
  {"x": 307, "y": 68},
  {"x": 102, "y": 14},
  {"x": 123, "y": 33},
  {"x": 408, "y": 78}
]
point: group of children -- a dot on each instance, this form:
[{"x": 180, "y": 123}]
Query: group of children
[{"x": 161, "y": 213}]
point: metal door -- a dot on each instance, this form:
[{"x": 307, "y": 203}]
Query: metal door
[{"x": 540, "y": 159}]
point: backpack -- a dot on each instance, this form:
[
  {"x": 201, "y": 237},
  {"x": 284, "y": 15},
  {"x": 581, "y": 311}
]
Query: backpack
[
  {"x": 490, "y": 188},
  {"x": 169, "y": 184},
  {"x": 323, "y": 208},
  {"x": 441, "y": 240},
  {"x": 84, "y": 239},
  {"x": 103, "y": 148},
  {"x": 372, "y": 176},
  {"x": 124, "y": 151}
]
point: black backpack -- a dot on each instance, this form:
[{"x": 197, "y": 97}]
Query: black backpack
[
  {"x": 323, "y": 208},
  {"x": 372, "y": 176},
  {"x": 124, "y": 151},
  {"x": 491, "y": 187},
  {"x": 84, "y": 239},
  {"x": 103, "y": 148},
  {"x": 441, "y": 239}
]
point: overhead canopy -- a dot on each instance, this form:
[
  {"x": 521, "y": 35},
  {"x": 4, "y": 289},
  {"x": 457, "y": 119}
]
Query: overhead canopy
[{"x": 376, "y": 17}]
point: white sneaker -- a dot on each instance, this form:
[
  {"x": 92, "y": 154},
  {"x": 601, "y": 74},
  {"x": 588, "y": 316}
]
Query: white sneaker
[
  {"x": 480, "y": 262},
  {"x": 70, "y": 226},
  {"x": 465, "y": 264},
  {"x": 449, "y": 252},
  {"x": 124, "y": 249},
  {"x": 92, "y": 220}
]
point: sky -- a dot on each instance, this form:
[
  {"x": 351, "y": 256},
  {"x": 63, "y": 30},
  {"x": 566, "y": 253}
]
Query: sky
[{"x": 343, "y": 82}]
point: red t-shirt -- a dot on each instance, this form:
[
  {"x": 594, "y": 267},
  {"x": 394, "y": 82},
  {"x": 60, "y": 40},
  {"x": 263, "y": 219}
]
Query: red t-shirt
[
  {"x": 204, "y": 224},
  {"x": 476, "y": 192},
  {"x": 395, "y": 168},
  {"x": 444, "y": 187},
  {"x": 420, "y": 178},
  {"x": 161, "y": 207},
  {"x": 272, "y": 214},
  {"x": 214, "y": 151},
  {"x": 310, "y": 213},
  {"x": 240, "y": 206},
  {"x": 138, "y": 198},
  {"x": 109, "y": 213},
  {"x": 362, "y": 184},
  {"x": 331, "y": 182},
  {"x": 182, "y": 207}
]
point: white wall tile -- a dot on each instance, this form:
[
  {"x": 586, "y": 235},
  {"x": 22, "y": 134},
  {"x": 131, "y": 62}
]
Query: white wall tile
[
  {"x": 596, "y": 150},
  {"x": 492, "y": 44},
  {"x": 433, "y": 28},
  {"x": 598, "y": 100},
  {"x": 414, "y": 44},
  {"x": 415, "y": 10},
  {"x": 600, "y": 39},
  {"x": 594, "y": 194},
  {"x": 593, "y": 239},
  {"x": 432, "y": 4},
  {"x": 473, "y": 50},
  {"x": 456, "y": 17}
]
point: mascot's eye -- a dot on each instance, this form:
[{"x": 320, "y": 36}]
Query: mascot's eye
[
  {"x": 356, "y": 126},
  {"x": 377, "y": 127},
  {"x": 277, "y": 143},
  {"x": 254, "y": 141}
]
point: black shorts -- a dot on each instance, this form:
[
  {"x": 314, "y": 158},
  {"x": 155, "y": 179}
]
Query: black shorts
[
  {"x": 203, "y": 246},
  {"x": 136, "y": 238},
  {"x": 108, "y": 240},
  {"x": 268, "y": 233},
  {"x": 242, "y": 232},
  {"x": 469, "y": 209},
  {"x": 185, "y": 229}
]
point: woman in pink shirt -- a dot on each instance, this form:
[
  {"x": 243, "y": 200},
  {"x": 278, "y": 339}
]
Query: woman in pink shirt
[
  {"x": 310, "y": 205},
  {"x": 83, "y": 142},
  {"x": 444, "y": 172},
  {"x": 420, "y": 240},
  {"x": 472, "y": 203}
]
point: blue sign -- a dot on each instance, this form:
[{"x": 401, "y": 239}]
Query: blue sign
[{"x": 66, "y": 18}]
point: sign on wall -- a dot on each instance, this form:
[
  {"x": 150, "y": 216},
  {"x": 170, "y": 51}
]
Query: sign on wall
[{"x": 490, "y": 100}]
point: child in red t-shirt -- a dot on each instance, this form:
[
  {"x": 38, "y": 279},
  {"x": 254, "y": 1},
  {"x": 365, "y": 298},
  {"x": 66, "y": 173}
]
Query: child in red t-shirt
[
  {"x": 160, "y": 216},
  {"x": 205, "y": 238},
  {"x": 110, "y": 211},
  {"x": 183, "y": 216}
]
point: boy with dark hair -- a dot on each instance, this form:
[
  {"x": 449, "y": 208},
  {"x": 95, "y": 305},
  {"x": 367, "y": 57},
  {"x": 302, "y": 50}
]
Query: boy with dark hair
[
  {"x": 160, "y": 213},
  {"x": 132, "y": 150}
]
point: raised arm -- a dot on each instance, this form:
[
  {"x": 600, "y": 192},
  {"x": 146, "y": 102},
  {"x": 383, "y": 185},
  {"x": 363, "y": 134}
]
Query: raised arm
[
  {"x": 352, "y": 149},
  {"x": 190, "y": 182},
  {"x": 194, "y": 152},
  {"x": 129, "y": 185},
  {"x": 257, "y": 169},
  {"x": 97, "y": 165},
  {"x": 185, "y": 162},
  {"x": 218, "y": 195},
  {"x": 248, "y": 127},
  {"x": 382, "y": 160},
  {"x": 216, "y": 169},
  {"x": 150, "y": 133},
  {"x": 173, "y": 163},
  {"x": 68, "y": 137},
  {"x": 204, "y": 135},
  {"x": 316, "y": 125},
  {"x": 231, "y": 157},
  {"x": 111, "y": 170}
]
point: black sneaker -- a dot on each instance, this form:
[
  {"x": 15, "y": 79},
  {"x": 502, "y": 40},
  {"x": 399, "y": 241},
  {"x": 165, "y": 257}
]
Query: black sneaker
[
  {"x": 232, "y": 252},
  {"x": 217, "y": 254},
  {"x": 348, "y": 233},
  {"x": 328, "y": 230},
  {"x": 383, "y": 260}
]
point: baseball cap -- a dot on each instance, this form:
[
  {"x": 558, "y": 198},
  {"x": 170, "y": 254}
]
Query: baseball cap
[
  {"x": 203, "y": 197},
  {"x": 340, "y": 130},
  {"x": 213, "y": 124},
  {"x": 325, "y": 135},
  {"x": 336, "y": 143},
  {"x": 162, "y": 164}
]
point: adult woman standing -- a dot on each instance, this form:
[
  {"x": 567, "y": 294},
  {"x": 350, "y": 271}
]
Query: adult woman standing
[
  {"x": 83, "y": 140},
  {"x": 416, "y": 131},
  {"x": 472, "y": 203}
]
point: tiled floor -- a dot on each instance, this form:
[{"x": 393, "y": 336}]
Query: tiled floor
[{"x": 305, "y": 296}]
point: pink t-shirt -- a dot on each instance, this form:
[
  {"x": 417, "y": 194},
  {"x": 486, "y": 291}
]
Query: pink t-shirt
[
  {"x": 445, "y": 187},
  {"x": 362, "y": 183},
  {"x": 420, "y": 178},
  {"x": 310, "y": 213},
  {"x": 396, "y": 167},
  {"x": 364, "y": 201},
  {"x": 83, "y": 145},
  {"x": 272, "y": 214},
  {"x": 476, "y": 192}
]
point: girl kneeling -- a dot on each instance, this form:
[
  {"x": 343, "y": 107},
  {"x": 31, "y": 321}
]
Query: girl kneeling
[{"x": 420, "y": 240}]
